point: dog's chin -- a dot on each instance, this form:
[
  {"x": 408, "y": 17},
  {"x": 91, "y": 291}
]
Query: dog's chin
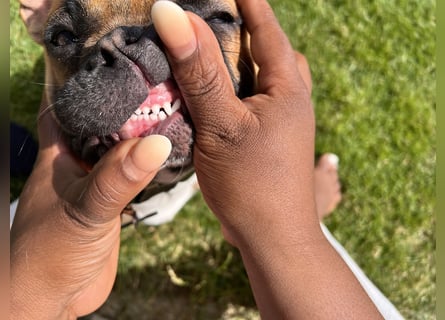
[{"x": 163, "y": 113}]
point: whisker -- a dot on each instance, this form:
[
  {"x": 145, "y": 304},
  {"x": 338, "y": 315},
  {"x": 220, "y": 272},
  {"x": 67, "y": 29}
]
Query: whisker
[
  {"x": 42, "y": 84},
  {"x": 43, "y": 112},
  {"x": 81, "y": 132},
  {"x": 23, "y": 145},
  {"x": 241, "y": 60},
  {"x": 179, "y": 173},
  {"x": 248, "y": 67}
]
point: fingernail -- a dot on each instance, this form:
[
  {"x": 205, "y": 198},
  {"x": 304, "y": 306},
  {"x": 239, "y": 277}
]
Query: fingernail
[
  {"x": 333, "y": 159},
  {"x": 147, "y": 155},
  {"x": 174, "y": 28}
]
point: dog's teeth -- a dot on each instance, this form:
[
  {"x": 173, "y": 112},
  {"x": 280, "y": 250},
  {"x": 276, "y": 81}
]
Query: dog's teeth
[
  {"x": 176, "y": 105},
  {"x": 162, "y": 115},
  {"x": 167, "y": 108},
  {"x": 156, "y": 108},
  {"x": 115, "y": 136},
  {"x": 156, "y": 112}
]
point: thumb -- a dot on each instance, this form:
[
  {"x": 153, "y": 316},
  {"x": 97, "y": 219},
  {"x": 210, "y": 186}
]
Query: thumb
[
  {"x": 198, "y": 67},
  {"x": 119, "y": 176}
]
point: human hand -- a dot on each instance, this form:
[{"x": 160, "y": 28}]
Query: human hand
[
  {"x": 65, "y": 236},
  {"x": 254, "y": 157}
]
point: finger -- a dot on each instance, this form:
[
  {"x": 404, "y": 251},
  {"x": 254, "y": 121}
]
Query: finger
[
  {"x": 305, "y": 72},
  {"x": 329, "y": 162},
  {"x": 33, "y": 14},
  {"x": 118, "y": 177},
  {"x": 174, "y": 28},
  {"x": 270, "y": 46},
  {"x": 198, "y": 66}
]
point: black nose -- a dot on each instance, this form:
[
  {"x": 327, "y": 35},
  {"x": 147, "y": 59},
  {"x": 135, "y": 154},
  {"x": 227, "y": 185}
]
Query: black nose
[
  {"x": 116, "y": 44},
  {"x": 140, "y": 45}
]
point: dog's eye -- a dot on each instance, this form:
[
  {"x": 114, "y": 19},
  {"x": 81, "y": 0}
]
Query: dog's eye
[
  {"x": 221, "y": 17},
  {"x": 64, "y": 38}
]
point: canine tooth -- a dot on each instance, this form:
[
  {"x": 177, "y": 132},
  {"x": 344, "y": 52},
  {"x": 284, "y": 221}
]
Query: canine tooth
[
  {"x": 167, "y": 108},
  {"x": 146, "y": 110},
  {"x": 176, "y": 105},
  {"x": 162, "y": 115},
  {"x": 138, "y": 112},
  {"x": 153, "y": 116},
  {"x": 134, "y": 117},
  {"x": 156, "y": 108}
]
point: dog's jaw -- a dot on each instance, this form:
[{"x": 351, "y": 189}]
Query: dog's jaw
[
  {"x": 162, "y": 112},
  {"x": 117, "y": 93},
  {"x": 112, "y": 80}
]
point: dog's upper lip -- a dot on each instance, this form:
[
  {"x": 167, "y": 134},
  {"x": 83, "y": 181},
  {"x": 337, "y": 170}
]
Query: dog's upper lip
[{"x": 162, "y": 101}]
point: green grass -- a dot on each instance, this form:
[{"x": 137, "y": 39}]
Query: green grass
[{"x": 373, "y": 67}]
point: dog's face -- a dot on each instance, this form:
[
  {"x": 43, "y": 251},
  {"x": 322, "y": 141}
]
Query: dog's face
[{"x": 108, "y": 78}]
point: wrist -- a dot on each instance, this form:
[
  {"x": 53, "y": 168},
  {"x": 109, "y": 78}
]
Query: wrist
[
  {"x": 31, "y": 301},
  {"x": 281, "y": 227},
  {"x": 31, "y": 296},
  {"x": 290, "y": 236}
]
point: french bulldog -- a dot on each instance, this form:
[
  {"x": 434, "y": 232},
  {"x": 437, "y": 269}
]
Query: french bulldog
[{"x": 108, "y": 78}]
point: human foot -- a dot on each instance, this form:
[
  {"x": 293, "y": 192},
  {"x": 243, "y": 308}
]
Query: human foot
[{"x": 327, "y": 185}]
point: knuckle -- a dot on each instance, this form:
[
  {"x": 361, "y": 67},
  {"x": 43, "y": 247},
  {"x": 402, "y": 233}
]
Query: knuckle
[
  {"x": 76, "y": 216},
  {"x": 229, "y": 135},
  {"x": 95, "y": 205},
  {"x": 104, "y": 194}
]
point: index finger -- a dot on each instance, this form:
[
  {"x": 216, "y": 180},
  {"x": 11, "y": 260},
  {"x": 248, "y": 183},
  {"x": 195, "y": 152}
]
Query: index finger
[{"x": 270, "y": 46}]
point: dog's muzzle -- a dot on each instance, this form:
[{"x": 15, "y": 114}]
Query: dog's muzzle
[{"x": 124, "y": 89}]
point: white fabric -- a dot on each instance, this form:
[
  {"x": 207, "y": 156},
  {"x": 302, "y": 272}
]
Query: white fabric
[
  {"x": 386, "y": 308},
  {"x": 12, "y": 210},
  {"x": 167, "y": 204}
]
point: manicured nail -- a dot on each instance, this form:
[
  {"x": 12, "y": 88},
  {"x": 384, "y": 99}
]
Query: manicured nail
[
  {"x": 174, "y": 28},
  {"x": 148, "y": 155},
  {"x": 333, "y": 159}
]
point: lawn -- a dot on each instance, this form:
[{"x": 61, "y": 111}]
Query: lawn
[{"x": 373, "y": 67}]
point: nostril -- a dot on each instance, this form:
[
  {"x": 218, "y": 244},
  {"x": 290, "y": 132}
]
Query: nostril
[
  {"x": 132, "y": 35},
  {"x": 108, "y": 57},
  {"x": 131, "y": 40},
  {"x": 89, "y": 66}
]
